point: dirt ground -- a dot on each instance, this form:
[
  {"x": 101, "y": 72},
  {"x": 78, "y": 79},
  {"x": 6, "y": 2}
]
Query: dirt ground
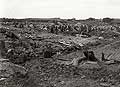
[
  {"x": 51, "y": 72},
  {"x": 47, "y": 73}
]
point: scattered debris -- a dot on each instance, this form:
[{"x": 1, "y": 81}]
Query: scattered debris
[
  {"x": 105, "y": 84},
  {"x": 34, "y": 49}
]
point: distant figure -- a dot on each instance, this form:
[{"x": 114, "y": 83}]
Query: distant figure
[
  {"x": 56, "y": 30},
  {"x": 2, "y": 48},
  {"x": 48, "y": 52}
]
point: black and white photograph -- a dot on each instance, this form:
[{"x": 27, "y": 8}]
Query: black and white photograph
[{"x": 59, "y": 43}]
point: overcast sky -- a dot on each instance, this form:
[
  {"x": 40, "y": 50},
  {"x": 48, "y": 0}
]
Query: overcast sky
[{"x": 79, "y": 9}]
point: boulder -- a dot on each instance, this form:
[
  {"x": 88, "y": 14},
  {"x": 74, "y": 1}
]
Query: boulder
[{"x": 8, "y": 69}]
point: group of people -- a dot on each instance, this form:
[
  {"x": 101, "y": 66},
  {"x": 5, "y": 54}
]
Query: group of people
[
  {"x": 68, "y": 28},
  {"x": 55, "y": 28}
]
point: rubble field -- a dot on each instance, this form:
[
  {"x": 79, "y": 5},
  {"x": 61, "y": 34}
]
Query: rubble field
[{"x": 77, "y": 54}]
